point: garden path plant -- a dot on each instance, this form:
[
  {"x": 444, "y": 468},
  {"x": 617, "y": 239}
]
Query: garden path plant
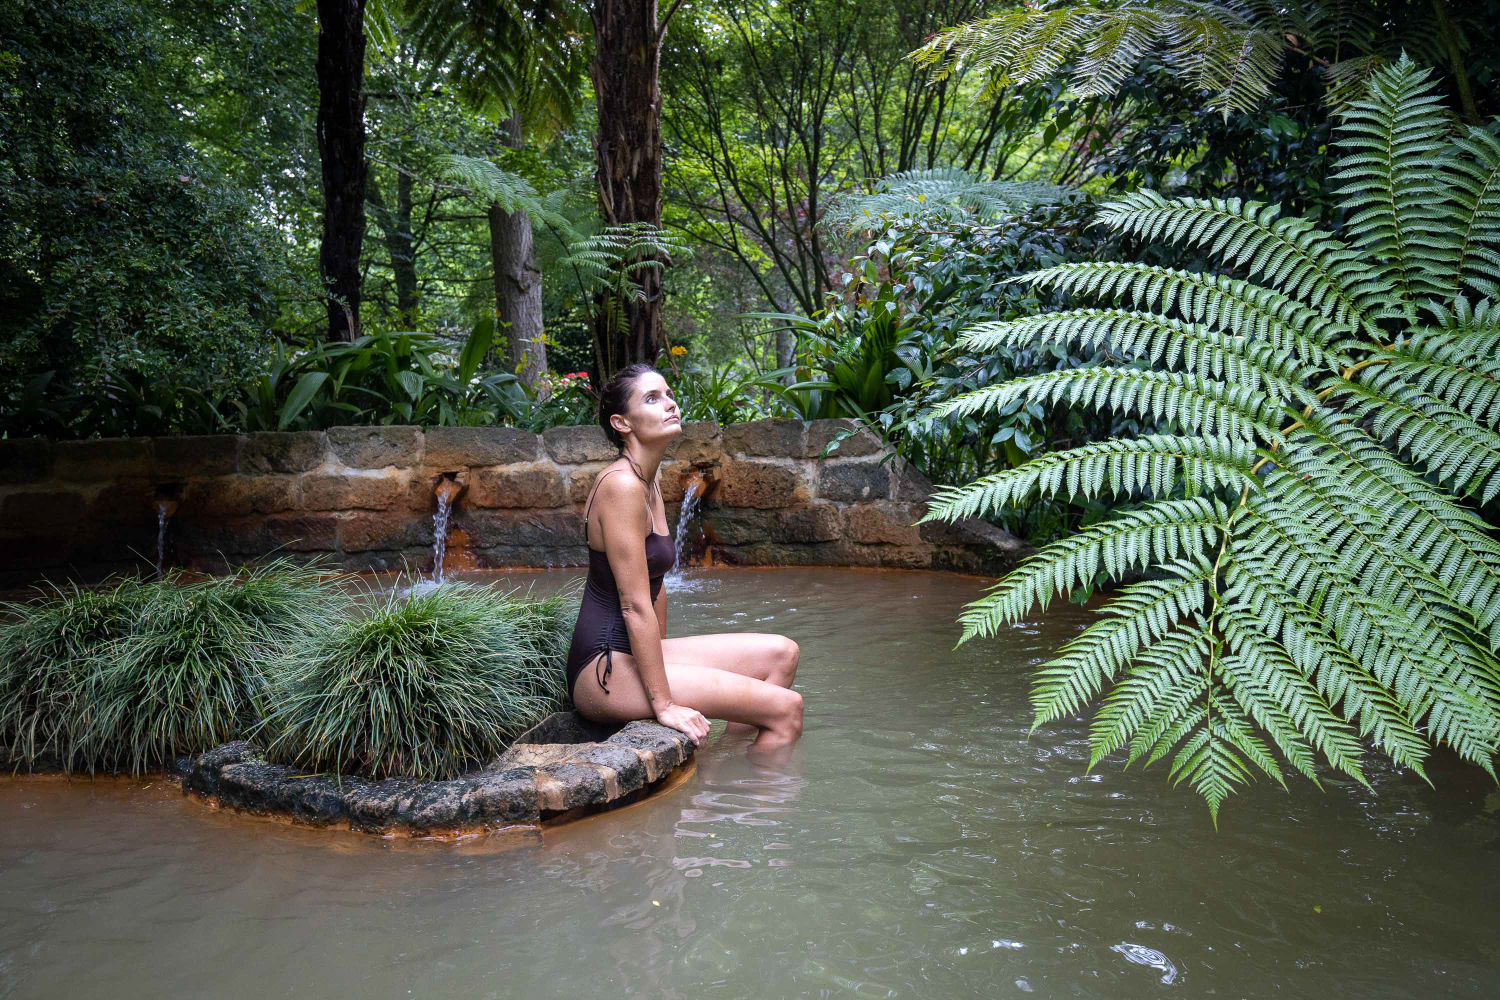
[{"x": 1318, "y": 572}]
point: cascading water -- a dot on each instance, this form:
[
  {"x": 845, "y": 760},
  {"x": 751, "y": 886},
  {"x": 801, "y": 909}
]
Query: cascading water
[
  {"x": 692, "y": 496},
  {"x": 446, "y": 492}
]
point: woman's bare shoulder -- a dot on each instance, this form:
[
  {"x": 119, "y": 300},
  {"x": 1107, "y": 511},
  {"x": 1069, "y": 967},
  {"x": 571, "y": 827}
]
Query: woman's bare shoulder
[{"x": 618, "y": 484}]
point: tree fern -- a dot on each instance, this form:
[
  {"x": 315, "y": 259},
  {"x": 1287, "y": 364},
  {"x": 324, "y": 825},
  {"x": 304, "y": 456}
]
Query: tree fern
[
  {"x": 1233, "y": 49},
  {"x": 1318, "y": 575},
  {"x": 947, "y": 193}
]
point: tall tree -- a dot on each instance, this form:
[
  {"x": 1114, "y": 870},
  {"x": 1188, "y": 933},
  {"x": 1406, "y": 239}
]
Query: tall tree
[
  {"x": 341, "y": 144},
  {"x": 520, "y": 60},
  {"x": 625, "y": 71}
]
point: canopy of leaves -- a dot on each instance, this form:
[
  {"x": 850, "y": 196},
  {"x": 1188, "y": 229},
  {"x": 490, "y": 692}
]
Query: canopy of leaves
[{"x": 121, "y": 251}]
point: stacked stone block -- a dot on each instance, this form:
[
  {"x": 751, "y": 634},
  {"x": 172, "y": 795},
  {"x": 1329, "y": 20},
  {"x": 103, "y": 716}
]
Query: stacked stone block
[{"x": 363, "y": 499}]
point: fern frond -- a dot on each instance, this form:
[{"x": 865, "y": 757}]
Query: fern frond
[
  {"x": 1227, "y": 304},
  {"x": 1158, "y": 532},
  {"x": 1154, "y": 465},
  {"x": 1475, "y": 186},
  {"x": 1155, "y": 696},
  {"x": 1462, "y": 370},
  {"x": 1217, "y": 48},
  {"x": 1452, "y": 542},
  {"x": 1262, "y": 678},
  {"x": 946, "y": 193},
  {"x": 1159, "y": 341},
  {"x": 1195, "y": 403},
  {"x": 1290, "y": 254},
  {"x": 1449, "y": 444},
  {"x": 1391, "y": 181},
  {"x": 512, "y": 192},
  {"x": 1255, "y": 591},
  {"x": 1138, "y": 617},
  {"x": 1403, "y": 638}
]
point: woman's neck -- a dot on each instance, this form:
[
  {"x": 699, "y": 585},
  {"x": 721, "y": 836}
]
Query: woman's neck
[{"x": 644, "y": 459}]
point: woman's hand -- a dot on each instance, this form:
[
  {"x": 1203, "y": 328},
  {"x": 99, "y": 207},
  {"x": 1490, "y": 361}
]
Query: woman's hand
[{"x": 688, "y": 721}]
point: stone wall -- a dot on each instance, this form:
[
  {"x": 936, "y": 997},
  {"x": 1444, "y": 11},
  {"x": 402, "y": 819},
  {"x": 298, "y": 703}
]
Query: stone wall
[{"x": 364, "y": 497}]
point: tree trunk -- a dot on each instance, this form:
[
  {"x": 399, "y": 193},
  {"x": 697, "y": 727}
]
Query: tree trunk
[
  {"x": 627, "y": 57},
  {"x": 341, "y": 145},
  {"x": 395, "y": 226},
  {"x": 518, "y": 282}
]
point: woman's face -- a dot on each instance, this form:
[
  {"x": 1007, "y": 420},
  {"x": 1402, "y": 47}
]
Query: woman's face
[{"x": 652, "y": 413}]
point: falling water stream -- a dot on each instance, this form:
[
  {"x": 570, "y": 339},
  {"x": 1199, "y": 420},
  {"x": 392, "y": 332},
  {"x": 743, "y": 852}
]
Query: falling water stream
[
  {"x": 691, "y": 498},
  {"x": 446, "y": 492}
]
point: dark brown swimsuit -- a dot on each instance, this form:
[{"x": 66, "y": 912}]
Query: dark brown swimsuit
[{"x": 601, "y": 624}]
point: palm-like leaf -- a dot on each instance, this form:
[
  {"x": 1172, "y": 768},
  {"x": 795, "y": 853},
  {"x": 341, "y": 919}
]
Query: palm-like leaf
[
  {"x": 1232, "y": 49},
  {"x": 1315, "y": 577}
]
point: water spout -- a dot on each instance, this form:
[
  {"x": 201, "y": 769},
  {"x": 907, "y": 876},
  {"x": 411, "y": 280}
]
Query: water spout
[
  {"x": 692, "y": 496},
  {"x": 165, "y": 508},
  {"x": 447, "y": 491}
]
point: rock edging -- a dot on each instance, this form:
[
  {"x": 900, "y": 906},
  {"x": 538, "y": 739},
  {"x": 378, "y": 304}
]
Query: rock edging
[{"x": 563, "y": 767}]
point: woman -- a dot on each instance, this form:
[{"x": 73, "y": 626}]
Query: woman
[{"x": 621, "y": 665}]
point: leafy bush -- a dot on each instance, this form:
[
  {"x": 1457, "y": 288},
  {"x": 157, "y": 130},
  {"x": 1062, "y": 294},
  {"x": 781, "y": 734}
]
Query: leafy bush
[
  {"x": 133, "y": 676},
  {"x": 1318, "y": 573},
  {"x": 719, "y": 393},
  {"x": 123, "y": 258},
  {"x": 426, "y": 685},
  {"x": 934, "y": 274}
]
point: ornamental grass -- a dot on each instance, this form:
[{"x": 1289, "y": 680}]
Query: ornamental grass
[
  {"x": 424, "y": 685},
  {"x": 130, "y": 677}
]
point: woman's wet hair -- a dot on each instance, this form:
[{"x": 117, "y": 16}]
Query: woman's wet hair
[{"x": 615, "y": 398}]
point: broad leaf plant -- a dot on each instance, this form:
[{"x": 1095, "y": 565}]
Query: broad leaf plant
[{"x": 1312, "y": 573}]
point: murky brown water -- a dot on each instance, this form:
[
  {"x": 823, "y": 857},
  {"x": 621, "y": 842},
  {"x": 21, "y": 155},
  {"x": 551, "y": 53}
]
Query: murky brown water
[{"x": 916, "y": 844}]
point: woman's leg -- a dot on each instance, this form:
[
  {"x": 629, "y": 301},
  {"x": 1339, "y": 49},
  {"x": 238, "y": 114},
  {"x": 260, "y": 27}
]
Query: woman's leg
[
  {"x": 766, "y": 657},
  {"x": 717, "y": 693}
]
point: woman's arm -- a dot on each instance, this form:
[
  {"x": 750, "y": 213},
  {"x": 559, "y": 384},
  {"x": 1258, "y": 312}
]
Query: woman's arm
[{"x": 622, "y": 515}]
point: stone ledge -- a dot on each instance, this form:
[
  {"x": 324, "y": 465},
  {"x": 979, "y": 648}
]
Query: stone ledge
[{"x": 562, "y": 766}]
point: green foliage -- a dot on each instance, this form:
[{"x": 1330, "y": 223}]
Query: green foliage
[
  {"x": 423, "y": 685},
  {"x": 947, "y": 275},
  {"x": 124, "y": 258},
  {"x": 722, "y": 394},
  {"x": 1231, "y": 50},
  {"x": 1319, "y": 572},
  {"x": 844, "y": 357},
  {"x": 947, "y": 194},
  {"x": 132, "y": 676},
  {"x": 611, "y": 262}
]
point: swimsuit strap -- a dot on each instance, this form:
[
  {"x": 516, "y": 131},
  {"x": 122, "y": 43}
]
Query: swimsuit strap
[{"x": 590, "y": 506}]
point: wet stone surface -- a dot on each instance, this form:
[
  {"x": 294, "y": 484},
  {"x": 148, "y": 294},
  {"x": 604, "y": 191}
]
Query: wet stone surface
[{"x": 564, "y": 763}]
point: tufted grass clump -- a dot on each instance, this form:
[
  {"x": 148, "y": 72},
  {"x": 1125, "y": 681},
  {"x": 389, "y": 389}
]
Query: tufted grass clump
[
  {"x": 46, "y": 647},
  {"x": 424, "y": 685},
  {"x": 130, "y": 677}
]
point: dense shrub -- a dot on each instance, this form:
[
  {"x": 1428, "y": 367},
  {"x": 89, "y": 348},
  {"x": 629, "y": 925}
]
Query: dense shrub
[
  {"x": 426, "y": 685},
  {"x": 125, "y": 263},
  {"x": 44, "y": 648},
  {"x": 936, "y": 273},
  {"x": 130, "y": 677}
]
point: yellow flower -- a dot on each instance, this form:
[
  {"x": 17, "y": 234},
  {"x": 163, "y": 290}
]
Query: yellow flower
[{"x": 678, "y": 351}]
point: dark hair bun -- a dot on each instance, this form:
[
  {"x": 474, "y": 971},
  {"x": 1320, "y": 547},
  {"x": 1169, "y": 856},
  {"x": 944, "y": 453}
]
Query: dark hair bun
[{"x": 615, "y": 397}]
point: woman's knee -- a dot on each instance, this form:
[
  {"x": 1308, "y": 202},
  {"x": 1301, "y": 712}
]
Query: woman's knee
[
  {"x": 788, "y": 711},
  {"x": 785, "y": 655}
]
